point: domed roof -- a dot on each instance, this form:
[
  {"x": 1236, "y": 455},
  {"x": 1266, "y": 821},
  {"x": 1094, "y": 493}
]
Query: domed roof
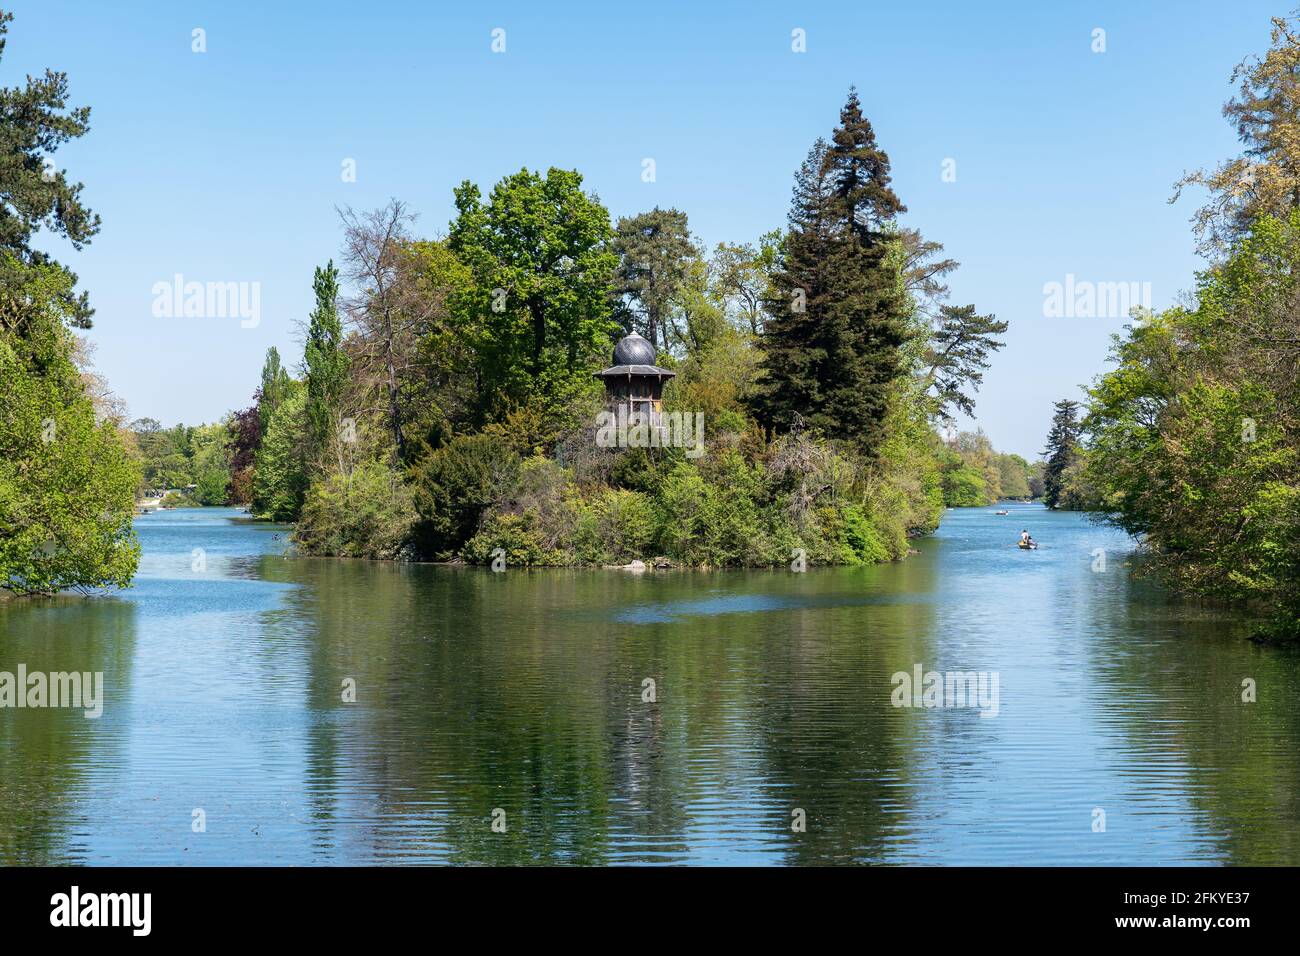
[{"x": 634, "y": 350}]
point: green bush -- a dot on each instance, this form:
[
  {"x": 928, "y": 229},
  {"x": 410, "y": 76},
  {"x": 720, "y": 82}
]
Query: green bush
[
  {"x": 455, "y": 485},
  {"x": 615, "y": 526},
  {"x": 518, "y": 539},
  {"x": 367, "y": 514}
]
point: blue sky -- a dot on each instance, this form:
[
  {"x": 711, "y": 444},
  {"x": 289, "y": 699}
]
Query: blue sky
[{"x": 225, "y": 166}]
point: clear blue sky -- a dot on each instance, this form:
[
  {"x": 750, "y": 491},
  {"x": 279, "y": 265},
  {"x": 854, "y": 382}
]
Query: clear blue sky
[{"x": 225, "y": 166}]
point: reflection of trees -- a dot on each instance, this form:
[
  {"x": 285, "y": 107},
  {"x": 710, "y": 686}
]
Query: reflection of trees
[
  {"x": 523, "y": 691},
  {"x": 1178, "y": 698},
  {"x": 834, "y": 744},
  {"x": 49, "y": 756}
]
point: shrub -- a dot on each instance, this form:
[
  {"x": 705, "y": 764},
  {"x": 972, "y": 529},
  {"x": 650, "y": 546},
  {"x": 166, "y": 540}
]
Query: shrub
[
  {"x": 367, "y": 514},
  {"x": 455, "y": 485},
  {"x": 615, "y": 526}
]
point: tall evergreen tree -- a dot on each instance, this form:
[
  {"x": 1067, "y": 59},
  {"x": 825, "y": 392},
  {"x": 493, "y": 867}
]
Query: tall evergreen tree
[
  {"x": 1062, "y": 450},
  {"x": 831, "y": 351},
  {"x": 327, "y": 364}
]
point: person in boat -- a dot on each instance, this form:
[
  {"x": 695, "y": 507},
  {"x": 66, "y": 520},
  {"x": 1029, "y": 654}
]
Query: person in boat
[{"x": 1024, "y": 536}]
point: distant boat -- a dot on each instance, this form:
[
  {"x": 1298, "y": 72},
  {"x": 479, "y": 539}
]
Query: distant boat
[
  {"x": 1002, "y": 512},
  {"x": 1027, "y": 545}
]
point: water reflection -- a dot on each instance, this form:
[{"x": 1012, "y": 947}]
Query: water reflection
[{"x": 523, "y": 692}]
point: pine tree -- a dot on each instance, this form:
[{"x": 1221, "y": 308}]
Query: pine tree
[
  {"x": 1062, "y": 450},
  {"x": 655, "y": 253},
  {"x": 34, "y": 122},
  {"x": 327, "y": 364},
  {"x": 831, "y": 349}
]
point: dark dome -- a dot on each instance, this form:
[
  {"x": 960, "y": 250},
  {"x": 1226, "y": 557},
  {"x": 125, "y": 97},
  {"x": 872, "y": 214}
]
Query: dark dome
[{"x": 634, "y": 350}]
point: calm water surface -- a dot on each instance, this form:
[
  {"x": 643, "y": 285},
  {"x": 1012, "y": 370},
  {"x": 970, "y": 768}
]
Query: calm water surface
[{"x": 523, "y": 691}]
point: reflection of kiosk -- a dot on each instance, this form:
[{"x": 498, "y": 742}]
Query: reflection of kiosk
[{"x": 634, "y": 384}]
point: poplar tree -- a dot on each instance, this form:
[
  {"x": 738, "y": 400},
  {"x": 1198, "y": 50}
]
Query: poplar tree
[
  {"x": 275, "y": 385},
  {"x": 326, "y": 362}
]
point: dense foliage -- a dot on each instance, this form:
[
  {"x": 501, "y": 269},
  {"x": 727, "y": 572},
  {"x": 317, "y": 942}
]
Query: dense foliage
[
  {"x": 66, "y": 482},
  {"x": 1194, "y": 438},
  {"x": 463, "y": 373},
  {"x": 1196, "y": 434}
]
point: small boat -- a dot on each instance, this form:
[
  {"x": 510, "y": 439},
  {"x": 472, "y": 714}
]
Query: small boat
[
  {"x": 1027, "y": 545},
  {"x": 1002, "y": 512}
]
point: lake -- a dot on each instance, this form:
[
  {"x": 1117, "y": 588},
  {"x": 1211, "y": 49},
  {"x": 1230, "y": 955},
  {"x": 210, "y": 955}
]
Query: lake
[{"x": 598, "y": 716}]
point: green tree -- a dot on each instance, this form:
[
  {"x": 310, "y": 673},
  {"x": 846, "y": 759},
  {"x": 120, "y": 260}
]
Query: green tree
[
  {"x": 1014, "y": 474},
  {"x": 66, "y": 484},
  {"x": 744, "y": 276},
  {"x": 1194, "y": 437},
  {"x": 540, "y": 253},
  {"x": 279, "y": 478},
  {"x": 831, "y": 349},
  {"x": 34, "y": 122},
  {"x": 275, "y": 385},
  {"x": 958, "y": 355},
  {"x": 1062, "y": 451},
  {"x": 654, "y": 252},
  {"x": 1265, "y": 178},
  {"x": 327, "y": 366}
]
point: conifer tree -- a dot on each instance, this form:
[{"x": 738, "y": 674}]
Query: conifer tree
[
  {"x": 35, "y": 120},
  {"x": 1062, "y": 450},
  {"x": 831, "y": 351}
]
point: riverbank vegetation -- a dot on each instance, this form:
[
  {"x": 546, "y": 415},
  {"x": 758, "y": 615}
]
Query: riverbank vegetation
[
  {"x": 66, "y": 481},
  {"x": 1193, "y": 440},
  {"x": 446, "y": 407}
]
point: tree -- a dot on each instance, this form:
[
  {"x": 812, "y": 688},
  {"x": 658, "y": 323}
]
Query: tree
[
  {"x": 958, "y": 355},
  {"x": 744, "y": 276},
  {"x": 388, "y": 314},
  {"x": 327, "y": 366},
  {"x": 34, "y": 122},
  {"x": 279, "y": 479},
  {"x": 831, "y": 349},
  {"x": 1194, "y": 437},
  {"x": 1013, "y": 476},
  {"x": 539, "y": 250},
  {"x": 654, "y": 254},
  {"x": 924, "y": 272},
  {"x": 275, "y": 385},
  {"x": 66, "y": 484},
  {"x": 1265, "y": 179},
  {"x": 244, "y": 437},
  {"x": 1062, "y": 450}
]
